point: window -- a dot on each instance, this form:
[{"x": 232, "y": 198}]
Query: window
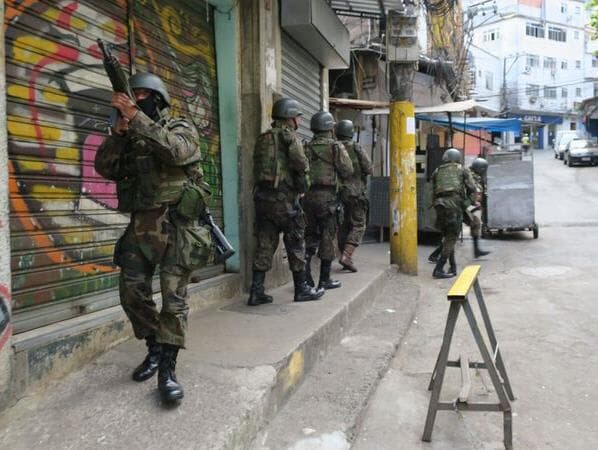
[
  {"x": 563, "y": 8},
  {"x": 489, "y": 81},
  {"x": 491, "y": 35},
  {"x": 564, "y": 92},
  {"x": 532, "y": 61},
  {"x": 534, "y": 29},
  {"x": 575, "y": 34},
  {"x": 557, "y": 34},
  {"x": 595, "y": 89},
  {"x": 532, "y": 90},
  {"x": 549, "y": 92},
  {"x": 594, "y": 61},
  {"x": 549, "y": 63},
  {"x": 577, "y": 64},
  {"x": 564, "y": 65},
  {"x": 577, "y": 9},
  {"x": 578, "y": 92}
]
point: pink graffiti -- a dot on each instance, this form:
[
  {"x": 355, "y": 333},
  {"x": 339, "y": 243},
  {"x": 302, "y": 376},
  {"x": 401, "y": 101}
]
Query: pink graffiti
[
  {"x": 6, "y": 331},
  {"x": 104, "y": 191}
]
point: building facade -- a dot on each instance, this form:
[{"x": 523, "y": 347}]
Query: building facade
[{"x": 533, "y": 59}]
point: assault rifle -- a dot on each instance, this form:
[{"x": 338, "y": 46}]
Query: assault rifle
[
  {"x": 115, "y": 72},
  {"x": 224, "y": 249}
]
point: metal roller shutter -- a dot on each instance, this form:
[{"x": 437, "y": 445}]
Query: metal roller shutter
[
  {"x": 63, "y": 220},
  {"x": 301, "y": 81}
]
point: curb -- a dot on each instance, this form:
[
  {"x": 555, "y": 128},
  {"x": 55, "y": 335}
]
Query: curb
[{"x": 292, "y": 370}]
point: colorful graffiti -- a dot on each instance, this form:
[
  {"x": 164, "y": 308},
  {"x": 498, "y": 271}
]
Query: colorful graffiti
[
  {"x": 188, "y": 63},
  {"x": 63, "y": 222},
  {"x": 5, "y": 328}
]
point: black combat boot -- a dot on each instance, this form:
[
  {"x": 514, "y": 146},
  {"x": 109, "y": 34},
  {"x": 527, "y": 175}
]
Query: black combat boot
[
  {"x": 325, "y": 281},
  {"x": 308, "y": 278},
  {"x": 477, "y": 252},
  {"x": 257, "y": 296},
  {"x": 149, "y": 366},
  {"x": 439, "y": 269},
  {"x": 304, "y": 292},
  {"x": 170, "y": 389},
  {"x": 433, "y": 258},
  {"x": 452, "y": 264}
]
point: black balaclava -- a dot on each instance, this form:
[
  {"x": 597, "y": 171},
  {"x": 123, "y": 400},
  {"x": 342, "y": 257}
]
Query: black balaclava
[{"x": 149, "y": 105}]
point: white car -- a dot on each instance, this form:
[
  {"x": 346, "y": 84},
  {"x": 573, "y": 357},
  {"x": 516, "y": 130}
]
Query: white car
[
  {"x": 581, "y": 151},
  {"x": 563, "y": 138}
]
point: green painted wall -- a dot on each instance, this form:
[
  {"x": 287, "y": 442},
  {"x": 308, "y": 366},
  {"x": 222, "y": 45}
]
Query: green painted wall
[{"x": 225, "y": 25}]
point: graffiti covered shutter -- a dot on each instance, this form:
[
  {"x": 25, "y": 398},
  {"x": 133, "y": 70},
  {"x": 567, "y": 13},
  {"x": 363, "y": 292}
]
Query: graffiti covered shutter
[
  {"x": 175, "y": 39},
  {"x": 301, "y": 81},
  {"x": 63, "y": 219}
]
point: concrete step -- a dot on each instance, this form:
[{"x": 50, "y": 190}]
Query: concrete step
[
  {"x": 240, "y": 367},
  {"x": 328, "y": 407}
]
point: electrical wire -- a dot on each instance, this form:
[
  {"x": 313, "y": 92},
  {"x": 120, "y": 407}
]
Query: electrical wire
[{"x": 522, "y": 90}]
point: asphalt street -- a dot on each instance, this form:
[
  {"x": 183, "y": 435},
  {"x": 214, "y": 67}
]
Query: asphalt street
[{"x": 542, "y": 298}]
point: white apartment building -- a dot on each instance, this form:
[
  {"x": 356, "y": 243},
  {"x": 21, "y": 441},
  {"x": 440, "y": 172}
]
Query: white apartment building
[{"x": 533, "y": 59}]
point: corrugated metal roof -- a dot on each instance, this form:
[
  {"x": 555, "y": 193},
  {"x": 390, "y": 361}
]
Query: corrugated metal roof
[{"x": 363, "y": 8}]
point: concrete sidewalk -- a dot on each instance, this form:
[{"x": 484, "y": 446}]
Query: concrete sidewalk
[{"x": 241, "y": 365}]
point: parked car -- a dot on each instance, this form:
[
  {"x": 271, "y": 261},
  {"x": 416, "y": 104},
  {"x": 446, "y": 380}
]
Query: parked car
[
  {"x": 563, "y": 138},
  {"x": 581, "y": 151}
]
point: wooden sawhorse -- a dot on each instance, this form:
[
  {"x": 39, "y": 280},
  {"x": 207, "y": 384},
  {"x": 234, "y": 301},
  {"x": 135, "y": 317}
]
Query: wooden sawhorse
[{"x": 458, "y": 297}]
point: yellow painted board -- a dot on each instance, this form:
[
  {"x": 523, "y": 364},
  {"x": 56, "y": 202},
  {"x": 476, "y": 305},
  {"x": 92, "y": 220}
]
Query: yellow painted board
[{"x": 463, "y": 284}]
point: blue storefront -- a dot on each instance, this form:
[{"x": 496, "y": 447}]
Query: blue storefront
[{"x": 540, "y": 127}]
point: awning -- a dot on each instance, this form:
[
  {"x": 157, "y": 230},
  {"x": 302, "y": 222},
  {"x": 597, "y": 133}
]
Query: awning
[
  {"x": 475, "y": 123},
  {"x": 448, "y": 107},
  {"x": 364, "y": 8},
  {"x": 375, "y": 107}
]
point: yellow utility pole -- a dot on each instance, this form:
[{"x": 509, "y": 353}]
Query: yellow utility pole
[
  {"x": 402, "y": 54},
  {"x": 403, "y": 194}
]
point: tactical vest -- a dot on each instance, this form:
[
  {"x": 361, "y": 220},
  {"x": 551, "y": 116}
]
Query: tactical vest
[
  {"x": 322, "y": 170},
  {"x": 449, "y": 178},
  {"x": 270, "y": 159},
  {"x": 149, "y": 183}
]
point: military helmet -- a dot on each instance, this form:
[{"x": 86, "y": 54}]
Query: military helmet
[
  {"x": 344, "y": 129},
  {"x": 146, "y": 80},
  {"x": 452, "y": 155},
  {"x": 479, "y": 165},
  {"x": 286, "y": 108},
  {"x": 322, "y": 121}
]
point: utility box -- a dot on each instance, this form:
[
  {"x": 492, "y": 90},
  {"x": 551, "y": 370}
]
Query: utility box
[
  {"x": 315, "y": 26},
  {"x": 401, "y": 34}
]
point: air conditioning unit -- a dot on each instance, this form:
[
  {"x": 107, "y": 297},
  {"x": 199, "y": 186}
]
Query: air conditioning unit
[
  {"x": 527, "y": 69},
  {"x": 533, "y": 99}
]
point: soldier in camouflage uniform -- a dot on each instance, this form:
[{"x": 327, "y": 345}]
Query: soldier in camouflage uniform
[
  {"x": 155, "y": 161},
  {"x": 473, "y": 210},
  {"x": 450, "y": 182},
  {"x": 353, "y": 196},
  {"x": 330, "y": 165},
  {"x": 280, "y": 175}
]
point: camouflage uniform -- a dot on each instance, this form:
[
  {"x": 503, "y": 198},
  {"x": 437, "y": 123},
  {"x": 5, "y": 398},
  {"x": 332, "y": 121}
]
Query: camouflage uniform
[
  {"x": 473, "y": 218},
  {"x": 450, "y": 182},
  {"x": 329, "y": 161},
  {"x": 354, "y": 197},
  {"x": 276, "y": 197},
  {"x": 152, "y": 164}
]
